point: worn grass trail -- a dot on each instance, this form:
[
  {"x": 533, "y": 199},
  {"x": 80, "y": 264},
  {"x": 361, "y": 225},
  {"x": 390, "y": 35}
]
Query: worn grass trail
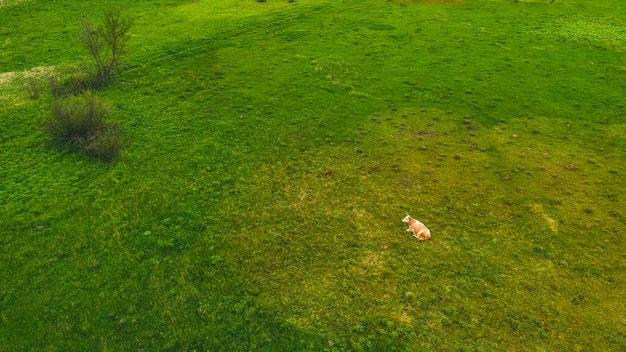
[{"x": 272, "y": 150}]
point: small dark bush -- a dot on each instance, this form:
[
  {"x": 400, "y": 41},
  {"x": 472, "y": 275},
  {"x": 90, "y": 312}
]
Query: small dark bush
[
  {"x": 80, "y": 121},
  {"x": 56, "y": 86},
  {"x": 70, "y": 80}
]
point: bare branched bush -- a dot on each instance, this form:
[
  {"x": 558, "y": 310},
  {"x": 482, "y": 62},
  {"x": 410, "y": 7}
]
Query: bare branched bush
[{"x": 106, "y": 42}]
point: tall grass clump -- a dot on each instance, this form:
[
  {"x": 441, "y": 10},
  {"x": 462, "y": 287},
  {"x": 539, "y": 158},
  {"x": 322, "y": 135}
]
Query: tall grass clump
[
  {"x": 80, "y": 121},
  {"x": 107, "y": 143},
  {"x": 33, "y": 87}
]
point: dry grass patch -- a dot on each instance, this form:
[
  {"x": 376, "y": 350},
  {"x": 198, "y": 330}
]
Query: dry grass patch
[
  {"x": 325, "y": 237},
  {"x": 40, "y": 72},
  {"x": 431, "y": 1},
  {"x": 8, "y": 2}
]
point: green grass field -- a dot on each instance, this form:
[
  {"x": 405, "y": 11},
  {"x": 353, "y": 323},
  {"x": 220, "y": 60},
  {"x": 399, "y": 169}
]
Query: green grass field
[{"x": 271, "y": 152}]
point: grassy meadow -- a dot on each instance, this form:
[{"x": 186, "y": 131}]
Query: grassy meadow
[{"x": 271, "y": 150}]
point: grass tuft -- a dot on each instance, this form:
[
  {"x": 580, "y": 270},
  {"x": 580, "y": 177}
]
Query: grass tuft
[{"x": 80, "y": 121}]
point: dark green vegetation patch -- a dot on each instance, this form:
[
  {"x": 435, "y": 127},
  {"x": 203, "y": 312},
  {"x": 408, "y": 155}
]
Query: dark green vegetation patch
[{"x": 271, "y": 152}]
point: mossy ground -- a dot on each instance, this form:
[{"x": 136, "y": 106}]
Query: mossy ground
[{"x": 272, "y": 150}]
